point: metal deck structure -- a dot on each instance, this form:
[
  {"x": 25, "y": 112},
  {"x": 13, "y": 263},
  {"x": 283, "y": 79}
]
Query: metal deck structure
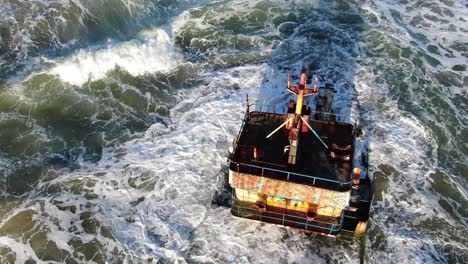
[
  {"x": 314, "y": 165},
  {"x": 296, "y": 169}
]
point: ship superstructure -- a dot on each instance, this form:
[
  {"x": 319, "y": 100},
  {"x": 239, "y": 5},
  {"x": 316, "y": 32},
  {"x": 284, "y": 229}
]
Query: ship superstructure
[{"x": 297, "y": 169}]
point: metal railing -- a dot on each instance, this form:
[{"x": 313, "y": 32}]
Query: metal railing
[
  {"x": 244, "y": 121},
  {"x": 326, "y": 227},
  {"x": 288, "y": 175},
  {"x": 283, "y": 109},
  {"x": 293, "y": 176}
]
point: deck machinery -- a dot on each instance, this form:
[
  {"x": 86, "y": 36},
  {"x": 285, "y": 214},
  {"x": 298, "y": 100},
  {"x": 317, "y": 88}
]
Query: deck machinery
[{"x": 299, "y": 169}]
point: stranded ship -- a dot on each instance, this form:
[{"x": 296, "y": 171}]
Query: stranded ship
[{"x": 300, "y": 169}]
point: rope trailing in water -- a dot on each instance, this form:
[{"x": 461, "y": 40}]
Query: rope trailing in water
[{"x": 362, "y": 253}]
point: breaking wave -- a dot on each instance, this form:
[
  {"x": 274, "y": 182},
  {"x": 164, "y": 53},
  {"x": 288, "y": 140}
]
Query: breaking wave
[{"x": 111, "y": 153}]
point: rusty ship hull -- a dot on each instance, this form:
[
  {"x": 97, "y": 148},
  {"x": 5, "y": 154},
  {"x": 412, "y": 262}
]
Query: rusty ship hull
[{"x": 299, "y": 169}]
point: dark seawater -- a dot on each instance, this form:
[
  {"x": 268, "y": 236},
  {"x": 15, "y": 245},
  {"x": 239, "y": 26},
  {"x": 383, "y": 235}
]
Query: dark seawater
[{"x": 116, "y": 117}]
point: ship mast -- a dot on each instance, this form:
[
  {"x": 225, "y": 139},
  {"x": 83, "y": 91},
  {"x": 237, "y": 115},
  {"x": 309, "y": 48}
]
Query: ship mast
[
  {"x": 296, "y": 120},
  {"x": 301, "y": 91}
]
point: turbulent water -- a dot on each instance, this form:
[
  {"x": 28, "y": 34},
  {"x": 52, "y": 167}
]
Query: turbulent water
[{"x": 116, "y": 117}]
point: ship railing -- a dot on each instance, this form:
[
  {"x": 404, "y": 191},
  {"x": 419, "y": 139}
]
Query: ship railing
[
  {"x": 282, "y": 109},
  {"x": 304, "y": 222},
  {"x": 244, "y": 121},
  {"x": 292, "y": 176}
]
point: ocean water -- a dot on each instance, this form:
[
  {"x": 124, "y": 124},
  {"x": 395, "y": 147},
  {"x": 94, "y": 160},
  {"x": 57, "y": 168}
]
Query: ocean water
[{"x": 116, "y": 117}]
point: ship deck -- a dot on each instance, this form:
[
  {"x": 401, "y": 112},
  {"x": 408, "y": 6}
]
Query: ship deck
[{"x": 314, "y": 165}]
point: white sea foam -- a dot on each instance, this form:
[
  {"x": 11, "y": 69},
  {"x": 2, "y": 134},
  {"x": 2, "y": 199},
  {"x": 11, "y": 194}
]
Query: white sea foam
[
  {"x": 443, "y": 25},
  {"x": 187, "y": 160},
  {"x": 152, "y": 51},
  {"x": 184, "y": 159},
  {"x": 22, "y": 251}
]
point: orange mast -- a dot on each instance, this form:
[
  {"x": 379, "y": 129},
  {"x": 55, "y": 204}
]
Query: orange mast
[
  {"x": 301, "y": 90},
  {"x": 296, "y": 119}
]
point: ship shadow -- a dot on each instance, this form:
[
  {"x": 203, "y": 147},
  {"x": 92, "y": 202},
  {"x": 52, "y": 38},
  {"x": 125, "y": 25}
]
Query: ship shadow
[
  {"x": 323, "y": 37},
  {"x": 326, "y": 43}
]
